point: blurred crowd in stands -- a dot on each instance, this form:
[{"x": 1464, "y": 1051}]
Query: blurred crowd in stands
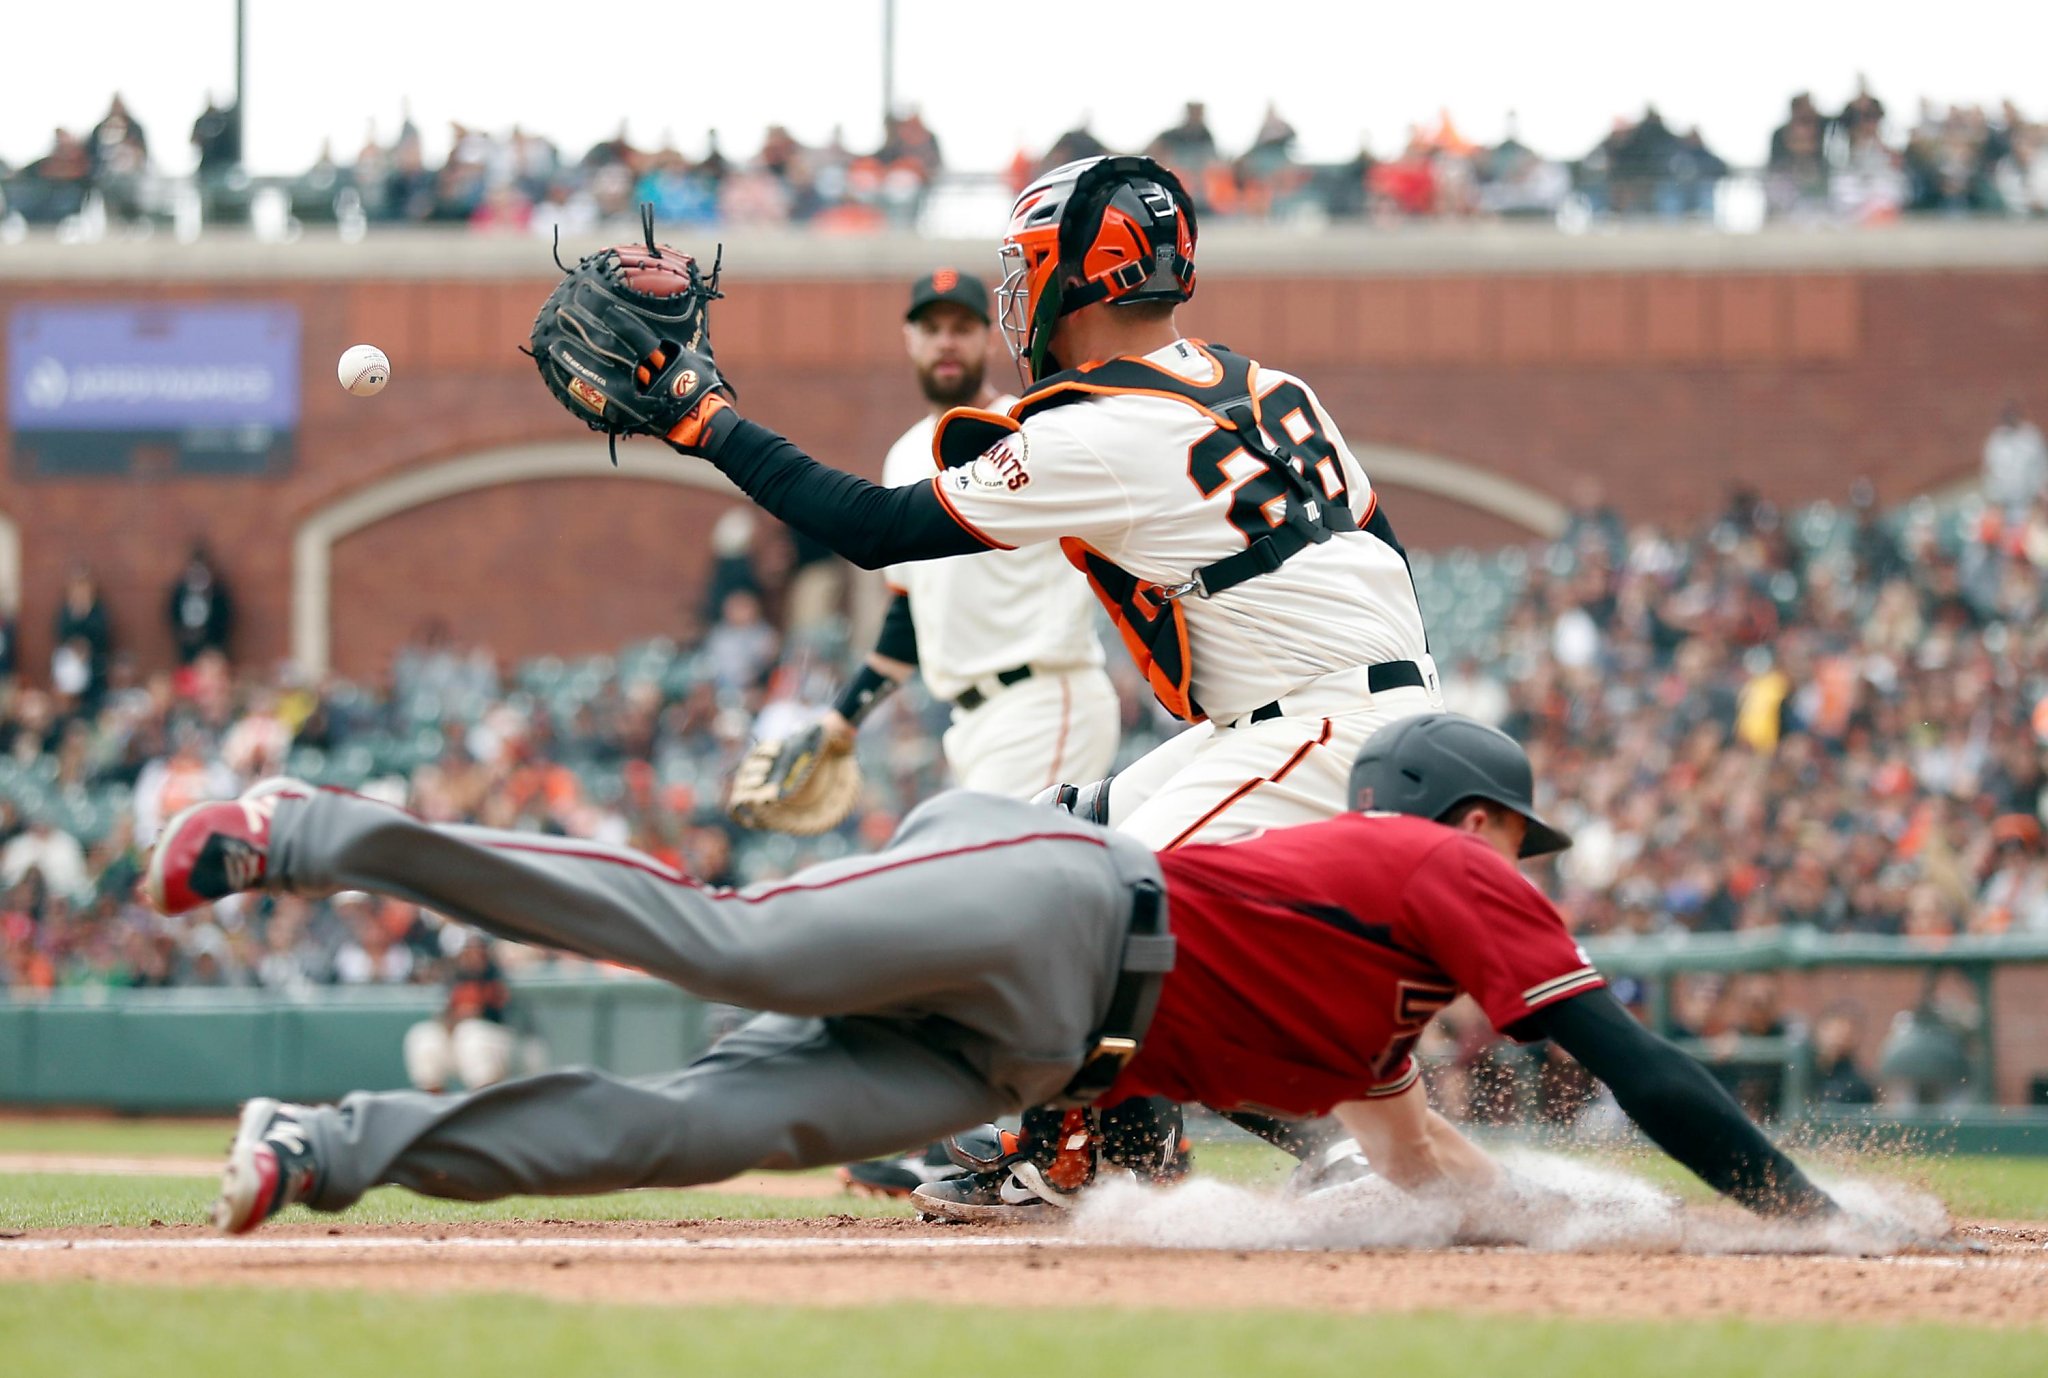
[
  {"x": 1856, "y": 164},
  {"x": 1831, "y": 717},
  {"x": 1820, "y": 718}
]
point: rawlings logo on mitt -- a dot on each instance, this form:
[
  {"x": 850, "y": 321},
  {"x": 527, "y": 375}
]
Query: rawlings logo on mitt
[
  {"x": 802, "y": 785},
  {"x": 624, "y": 343}
]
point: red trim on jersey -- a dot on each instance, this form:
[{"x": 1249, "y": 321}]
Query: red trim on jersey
[
  {"x": 672, "y": 877},
  {"x": 939, "y": 487},
  {"x": 1248, "y": 786}
]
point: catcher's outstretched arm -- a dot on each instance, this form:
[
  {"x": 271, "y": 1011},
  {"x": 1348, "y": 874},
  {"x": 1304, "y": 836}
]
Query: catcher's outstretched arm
[
  {"x": 1678, "y": 1104},
  {"x": 866, "y": 523}
]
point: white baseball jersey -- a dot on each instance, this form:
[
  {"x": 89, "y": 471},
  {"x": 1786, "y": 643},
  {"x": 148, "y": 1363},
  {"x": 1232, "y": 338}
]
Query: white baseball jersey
[
  {"x": 978, "y": 615},
  {"x": 1121, "y": 473},
  {"x": 1138, "y": 478}
]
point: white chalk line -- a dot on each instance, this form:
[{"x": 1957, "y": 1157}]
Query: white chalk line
[
  {"x": 740, "y": 1244},
  {"x": 787, "y": 1245}
]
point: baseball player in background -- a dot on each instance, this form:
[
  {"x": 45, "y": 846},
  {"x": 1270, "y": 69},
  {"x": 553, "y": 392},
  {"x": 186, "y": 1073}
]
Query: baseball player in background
[
  {"x": 1007, "y": 637},
  {"x": 1294, "y": 970}
]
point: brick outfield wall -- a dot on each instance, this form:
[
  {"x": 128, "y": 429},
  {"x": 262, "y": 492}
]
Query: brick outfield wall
[
  {"x": 2019, "y": 994},
  {"x": 1667, "y": 386}
]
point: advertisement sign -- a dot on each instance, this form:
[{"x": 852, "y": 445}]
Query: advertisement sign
[{"x": 120, "y": 389}]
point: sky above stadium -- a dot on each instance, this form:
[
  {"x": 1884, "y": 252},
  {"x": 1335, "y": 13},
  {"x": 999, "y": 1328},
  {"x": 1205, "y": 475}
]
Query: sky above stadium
[{"x": 991, "y": 78}]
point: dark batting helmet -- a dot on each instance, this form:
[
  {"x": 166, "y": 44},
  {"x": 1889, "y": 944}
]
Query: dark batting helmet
[{"x": 1428, "y": 765}]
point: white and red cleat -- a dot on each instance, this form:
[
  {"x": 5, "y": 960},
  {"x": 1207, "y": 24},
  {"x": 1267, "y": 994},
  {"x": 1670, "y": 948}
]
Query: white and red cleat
[
  {"x": 270, "y": 1166},
  {"x": 216, "y": 849}
]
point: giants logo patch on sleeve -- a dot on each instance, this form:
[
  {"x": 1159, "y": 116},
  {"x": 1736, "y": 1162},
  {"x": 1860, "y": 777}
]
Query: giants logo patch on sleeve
[{"x": 999, "y": 469}]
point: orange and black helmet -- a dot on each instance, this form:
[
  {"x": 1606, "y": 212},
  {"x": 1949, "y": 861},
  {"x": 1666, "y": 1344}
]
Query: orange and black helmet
[{"x": 1110, "y": 229}]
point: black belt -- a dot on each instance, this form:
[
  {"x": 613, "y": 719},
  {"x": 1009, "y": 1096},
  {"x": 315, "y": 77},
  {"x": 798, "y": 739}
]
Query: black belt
[
  {"x": 1148, "y": 956},
  {"x": 974, "y": 698},
  {"x": 1388, "y": 674}
]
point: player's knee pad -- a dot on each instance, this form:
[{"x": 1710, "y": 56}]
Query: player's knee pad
[
  {"x": 483, "y": 1052},
  {"x": 429, "y": 1055},
  {"x": 1089, "y": 802}
]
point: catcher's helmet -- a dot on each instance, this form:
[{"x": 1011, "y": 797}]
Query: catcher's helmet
[
  {"x": 1109, "y": 229},
  {"x": 1429, "y": 764}
]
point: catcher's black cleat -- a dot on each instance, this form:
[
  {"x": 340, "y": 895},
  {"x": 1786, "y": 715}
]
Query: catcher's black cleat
[
  {"x": 1001, "y": 1197},
  {"x": 898, "y": 1177}
]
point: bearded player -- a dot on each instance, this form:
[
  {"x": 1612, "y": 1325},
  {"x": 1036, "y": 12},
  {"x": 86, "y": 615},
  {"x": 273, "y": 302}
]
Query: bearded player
[
  {"x": 1211, "y": 502},
  {"x": 1007, "y": 637}
]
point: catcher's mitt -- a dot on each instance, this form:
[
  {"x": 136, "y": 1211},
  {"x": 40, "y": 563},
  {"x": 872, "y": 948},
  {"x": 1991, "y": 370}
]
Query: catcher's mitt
[
  {"x": 802, "y": 785},
  {"x": 623, "y": 342}
]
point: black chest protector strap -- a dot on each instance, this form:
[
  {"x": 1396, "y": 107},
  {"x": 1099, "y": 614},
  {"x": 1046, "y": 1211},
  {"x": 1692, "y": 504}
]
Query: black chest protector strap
[{"x": 1230, "y": 400}]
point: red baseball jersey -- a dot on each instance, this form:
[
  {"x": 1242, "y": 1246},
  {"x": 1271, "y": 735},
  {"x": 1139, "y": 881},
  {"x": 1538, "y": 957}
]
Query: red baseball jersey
[{"x": 1311, "y": 957}]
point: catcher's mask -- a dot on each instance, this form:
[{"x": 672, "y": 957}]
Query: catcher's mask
[{"x": 1109, "y": 229}]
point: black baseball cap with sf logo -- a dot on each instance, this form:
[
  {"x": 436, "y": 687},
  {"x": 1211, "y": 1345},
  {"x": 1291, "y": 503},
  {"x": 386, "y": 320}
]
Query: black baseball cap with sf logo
[{"x": 948, "y": 285}]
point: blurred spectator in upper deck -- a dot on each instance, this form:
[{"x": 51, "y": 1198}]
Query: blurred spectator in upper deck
[
  {"x": 120, "y": 156},
  {"x": 54, "y": 185},
  {"x": 1188, "y": 148},
  {"x": 1515, "y": 180},
  {"x": 1077, "y": 143},
  {"x": 217, "y": 135}
]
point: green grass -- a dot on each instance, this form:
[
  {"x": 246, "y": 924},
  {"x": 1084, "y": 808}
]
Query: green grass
[
  {"x": 37, "y": 1201},
  {"x": 2001, "y": 1188},
  {"x": 118, "y": 1138},
  {"x": 225, "y": 1333},
  {"x": 1974, "y": 1187}
]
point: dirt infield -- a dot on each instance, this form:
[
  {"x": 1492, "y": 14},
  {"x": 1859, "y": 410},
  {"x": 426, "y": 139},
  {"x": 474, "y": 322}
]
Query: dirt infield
[{"x": 839, "y": 1260}]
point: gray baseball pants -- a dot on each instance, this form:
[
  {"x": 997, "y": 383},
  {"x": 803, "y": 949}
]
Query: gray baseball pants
[{"x": 953, "y": 977}]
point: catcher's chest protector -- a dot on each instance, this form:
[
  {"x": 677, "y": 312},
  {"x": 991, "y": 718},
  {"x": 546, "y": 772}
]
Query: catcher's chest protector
[{"x": 1148, "y": 616}]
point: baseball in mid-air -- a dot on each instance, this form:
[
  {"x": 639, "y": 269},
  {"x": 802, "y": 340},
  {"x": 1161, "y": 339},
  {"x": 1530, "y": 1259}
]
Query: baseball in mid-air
[{"x": 364, "y": 370}]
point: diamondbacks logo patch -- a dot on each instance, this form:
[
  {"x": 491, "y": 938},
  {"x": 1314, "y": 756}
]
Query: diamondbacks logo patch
[{"x": 587, "y": 395}]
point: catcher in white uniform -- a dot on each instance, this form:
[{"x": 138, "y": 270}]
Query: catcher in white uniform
[{"x": 1211, "y": 502}]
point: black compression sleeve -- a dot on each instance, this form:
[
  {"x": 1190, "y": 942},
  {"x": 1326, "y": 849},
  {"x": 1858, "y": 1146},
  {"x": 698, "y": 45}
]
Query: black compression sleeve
[
  {"x": 867, "y": 688},
  {"x": 865, "y": 522},
  {"x": 1678, "y": 1104},
  {"x": 898, "y": 640}
]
